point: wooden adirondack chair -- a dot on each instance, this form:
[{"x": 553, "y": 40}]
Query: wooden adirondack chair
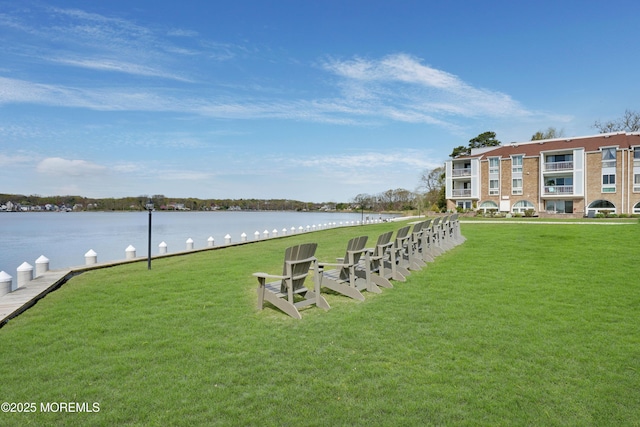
[
  {"x": 374, "y": 266},
  {"x": 344, "y": 279},
  {"x": 397, "y": 260},
  {"x": 445, "y": 235},
  {"x": 435, "y": 244},
  {"x": 288, "y": 292},
  {"x": 458, "y": 238},
  {"x": 426, "y": 239},
  {"x": 414, "y": 248}
]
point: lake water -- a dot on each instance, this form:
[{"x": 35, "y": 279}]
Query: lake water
[{"x": 64, "y": 238}]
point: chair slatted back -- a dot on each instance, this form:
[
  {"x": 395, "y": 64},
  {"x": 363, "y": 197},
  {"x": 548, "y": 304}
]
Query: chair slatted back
[
  {"x": 402, "y": 235},
  {"x": 384, "y": 241},
  {"x": 355, "y": 248},
  {"x": 297, "y": 262}
]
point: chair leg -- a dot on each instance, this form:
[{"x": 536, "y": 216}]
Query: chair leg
[
  {"x": 261, "y": 290},
  {"x": 284, "y": 305}
]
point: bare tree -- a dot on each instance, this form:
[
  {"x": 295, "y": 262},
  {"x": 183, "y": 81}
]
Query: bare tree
[
  {"x": 629, "y": 122},
  {"x": 432, "y": 182},
  {"x": 550, "y": 133},
  {"x": 363, "y": 201}
]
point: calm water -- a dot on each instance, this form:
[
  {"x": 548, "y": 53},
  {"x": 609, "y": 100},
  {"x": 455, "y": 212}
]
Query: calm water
[{"x": 64, "y": 238}]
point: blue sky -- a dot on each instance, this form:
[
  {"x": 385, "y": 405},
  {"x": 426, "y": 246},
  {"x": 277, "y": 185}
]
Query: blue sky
[{"x": 306, "y": 100}]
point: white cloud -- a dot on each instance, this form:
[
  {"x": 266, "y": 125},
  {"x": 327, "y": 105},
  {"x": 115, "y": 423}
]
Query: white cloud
[
  {"x": 8, "y": 161},
  {"x": 12, "y": 90},
  {"x": 104, "y": 64},
  {"x": 394, "y": 160},
  {"x": 127, "y": 168},
  {"x": 177, "y": 32},
  {"x": 417, "y": 91},
  {"x": 75, "y": 168}
]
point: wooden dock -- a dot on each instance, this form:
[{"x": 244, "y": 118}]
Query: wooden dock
[{"x": 14, "y": 303}]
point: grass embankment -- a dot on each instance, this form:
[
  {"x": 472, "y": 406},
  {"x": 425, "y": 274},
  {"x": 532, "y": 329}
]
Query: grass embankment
[{"x": 520, "y": 325}]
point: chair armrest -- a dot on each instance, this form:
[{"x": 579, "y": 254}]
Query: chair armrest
[
  {"x": 331, "y": 264},
  {"x": 268, "y": 276}
]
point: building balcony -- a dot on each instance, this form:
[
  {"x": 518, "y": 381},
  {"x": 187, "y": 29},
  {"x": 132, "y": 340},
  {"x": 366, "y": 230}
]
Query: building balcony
[
  {"x": 558, "y": 166},
  {"x": 461, "y": 192},
  {"x": 558, "y": 190},
  {"x": 457, "y": 173}
]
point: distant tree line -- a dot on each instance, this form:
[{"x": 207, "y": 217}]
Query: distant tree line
[{"x": 162, "y": 202}]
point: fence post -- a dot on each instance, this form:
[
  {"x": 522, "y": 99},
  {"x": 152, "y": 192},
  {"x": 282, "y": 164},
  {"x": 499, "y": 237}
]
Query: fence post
[
  {"x": 227, "y": 239},
  {"x": 25, "y": 274},
  {"x": 6, "y": 283},
  {"x": 189, "y": 244},
  {"x": 42, "y": 265},
  {"x": 162, "y": 248},
  {"x": 91, "y": 257},
  {"x": 211, "y": 242},
  {"x": 243, "y": 237},
  {"x": 130, "y": 252}
]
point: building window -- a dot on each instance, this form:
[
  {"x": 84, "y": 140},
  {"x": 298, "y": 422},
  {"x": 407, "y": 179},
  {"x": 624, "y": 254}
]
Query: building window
[
  {"x": 522, "y": 206},
  {"x": 636, "y": 182},
  {"x": 464, "y": 204},
  {"x": 636, "y": 153},
  {"x": 559, "y": 206},
  {"x": 559, "y": 158},
  {"x": 608, "y": 157},
  {"x": 609, "y": 183},
  {"x": 516, "y": 164},
  {"x": 636, "y": 208},
  {"x": 494, "y": 187},
  {"x": 516, "y": 186},
  {"x": 488, "y": 206},
  {"x": 494, "y": 165},
  {"x": 603, "y": 206}
]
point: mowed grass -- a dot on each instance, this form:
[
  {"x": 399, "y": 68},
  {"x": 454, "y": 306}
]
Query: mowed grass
[{"x": 524, "y": 324}]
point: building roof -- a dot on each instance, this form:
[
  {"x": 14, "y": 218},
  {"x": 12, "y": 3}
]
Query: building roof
[{"x": 534, "y": 148}]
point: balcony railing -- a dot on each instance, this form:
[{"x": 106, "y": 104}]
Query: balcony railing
[
  {"x": 558, "y": 189},
  {"x": 461, "y": 192},
  {"x": 461, "y": 172},
  {"x": 558, "y": 166}
]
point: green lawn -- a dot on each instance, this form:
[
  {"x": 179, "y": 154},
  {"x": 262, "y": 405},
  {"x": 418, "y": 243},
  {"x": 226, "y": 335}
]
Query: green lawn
[{"x": 524, "y": 324}]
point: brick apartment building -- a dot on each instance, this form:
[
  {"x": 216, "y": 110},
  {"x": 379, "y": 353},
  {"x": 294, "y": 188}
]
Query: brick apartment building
[{"x": 576, "y": 176}]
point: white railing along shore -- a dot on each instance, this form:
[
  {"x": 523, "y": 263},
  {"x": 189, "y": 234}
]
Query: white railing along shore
[{"x": 25, "y": 272}]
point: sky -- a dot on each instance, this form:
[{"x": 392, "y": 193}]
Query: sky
[{"x": 317, "y": 101}]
